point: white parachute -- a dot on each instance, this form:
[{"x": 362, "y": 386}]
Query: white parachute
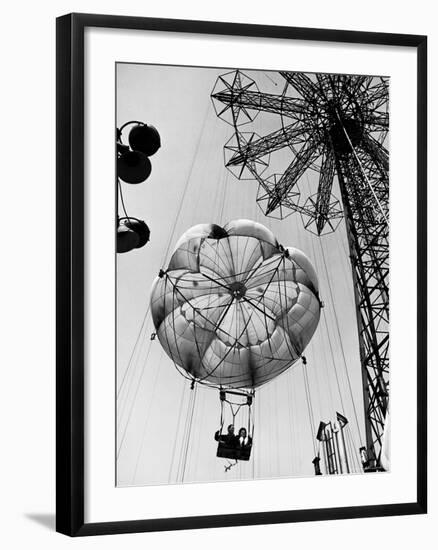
[{"x": 234, "y": 308}]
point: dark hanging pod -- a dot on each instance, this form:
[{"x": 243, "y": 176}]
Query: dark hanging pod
[
  {"x": 133, "y": 167},
  {"x": 122, "y": 148},
  {"x": 142, "y": 230},
  {"x": 144, "y": 138},
  {"x": 127, "y": 239}
]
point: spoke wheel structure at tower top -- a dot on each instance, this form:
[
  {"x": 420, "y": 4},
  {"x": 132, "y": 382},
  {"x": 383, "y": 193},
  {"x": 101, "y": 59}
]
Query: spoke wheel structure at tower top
[{"x": 336, "y": 125}]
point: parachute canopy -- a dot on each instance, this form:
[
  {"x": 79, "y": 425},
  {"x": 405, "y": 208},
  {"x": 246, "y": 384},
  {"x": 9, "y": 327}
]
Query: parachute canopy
[{"x": 234, "y": 308}]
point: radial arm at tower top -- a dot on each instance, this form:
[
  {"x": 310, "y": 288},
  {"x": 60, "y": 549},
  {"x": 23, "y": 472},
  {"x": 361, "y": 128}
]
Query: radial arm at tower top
[{"x": 337, "y": 124}]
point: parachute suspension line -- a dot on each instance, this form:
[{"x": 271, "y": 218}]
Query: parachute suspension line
[
  {"x": 222, "y": 416},
  {"x": 169, "y": 280},
  {"x": 234, "y": 412},
  {"x": 146, "y": 420},
  {"x": 354, "y": 450},
  {"x": 189, "y": 175},
  {"x": 318, "y": 257},
  {"x": 277, "y": 434},
  {"x": 181, "y": 402},
  {"x": 174, "y": 288},
  {"x": 201, "y": 379},
  {"x": 291, "y": 401},
  {"x": 171, "y": 236},
  {"x": 131, "y": 408},
  {"x": 188, "y": 431},
  {"x": 335, "y": 370},
  {"x": 134, "y": 365},
  {"x": 350, "y": 389},
  {"x": 183, "y": 195},
  {"x": 270, "y": 442},
  {"x": 125, "y": 388},
  {"x": 322, "y": 256},
  {"x": 256, "y": 421},
  {"x": 350, "y": 454},
  {"x": 184, "y": 438},
  {"x": 308, "y": 393},
  {"x": 216, "y": 262},
  {"x": 125, "y": 374},
  {"x": 309, "y": 403},
  {"x": 180, "y": 371},
  {"x": 250, "y": 425},
  {"x": 262, "y": 301},
  {"x": 200, "y": 414}
]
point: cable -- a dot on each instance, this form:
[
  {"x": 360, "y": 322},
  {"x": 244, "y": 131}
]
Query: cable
[
  {"x": 183, "y": 393},
  {"x": 183, "y": 195},
  {"x": 309, "y": 407},
  {"x": 362, "y": 169},
  {"x": 342, "y": 347},
  {"x": 189, "y": 431},
  {"x": 133, "y": 404},
  {"x": 146, "y": 421},
  {"x": 121, "y": 197},
  {"x": 120, "y": 389}
]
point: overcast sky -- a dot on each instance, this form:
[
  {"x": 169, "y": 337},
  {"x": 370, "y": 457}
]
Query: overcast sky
[{"x": 189, "y": 185}]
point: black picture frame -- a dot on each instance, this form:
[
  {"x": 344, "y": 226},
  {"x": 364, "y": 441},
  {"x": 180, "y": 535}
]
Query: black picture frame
[{"x": 70, "y": 273}]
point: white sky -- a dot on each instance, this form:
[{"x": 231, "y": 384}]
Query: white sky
[{"x": 189, "y": 185}]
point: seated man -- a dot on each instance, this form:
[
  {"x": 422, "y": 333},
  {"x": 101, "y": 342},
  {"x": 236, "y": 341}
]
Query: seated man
[{"x": 229, "y": 439}]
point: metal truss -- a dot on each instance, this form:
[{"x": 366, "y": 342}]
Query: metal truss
[{"x": 336, "y": 124}]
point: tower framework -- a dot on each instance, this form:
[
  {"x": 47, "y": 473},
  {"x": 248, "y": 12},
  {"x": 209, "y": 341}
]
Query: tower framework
[{"x": 338, "y": 126}]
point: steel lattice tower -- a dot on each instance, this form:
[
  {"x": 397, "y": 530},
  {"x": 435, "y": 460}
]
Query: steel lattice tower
[{"x": 337, "y": 125}]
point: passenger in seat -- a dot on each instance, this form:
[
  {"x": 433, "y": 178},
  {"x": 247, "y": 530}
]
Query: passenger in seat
[{"x": 229, "y": 439}]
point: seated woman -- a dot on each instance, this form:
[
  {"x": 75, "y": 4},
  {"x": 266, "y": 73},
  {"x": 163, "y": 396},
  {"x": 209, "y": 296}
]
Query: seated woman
[{"x": 244, "y": 444}]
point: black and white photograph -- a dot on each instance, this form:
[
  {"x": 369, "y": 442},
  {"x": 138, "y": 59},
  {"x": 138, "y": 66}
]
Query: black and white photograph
[
  {"x": 252, "y": 274},
  {"x": 216, "y": 275}
]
